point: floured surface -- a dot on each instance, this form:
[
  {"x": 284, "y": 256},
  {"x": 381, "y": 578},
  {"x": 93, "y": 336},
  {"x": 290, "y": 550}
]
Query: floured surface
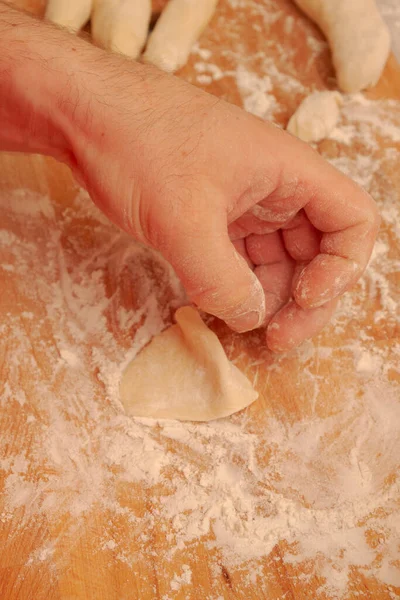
[{"x": 298, "y": 496}]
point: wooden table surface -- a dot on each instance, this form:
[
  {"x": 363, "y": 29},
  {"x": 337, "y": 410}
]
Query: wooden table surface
[{"x": 92, "y": 503}]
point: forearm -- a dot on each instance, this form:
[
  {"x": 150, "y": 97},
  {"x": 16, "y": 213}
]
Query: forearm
[
  {"x": 29, "y": 88},
  {"x": 53, "y": 87}
]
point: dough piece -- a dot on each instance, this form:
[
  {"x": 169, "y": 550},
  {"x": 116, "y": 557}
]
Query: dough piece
[
  {"x": 316, "y": 116},
  {"x": 185, "y": 374},
  {"x": 121, "y": 25},
  {"x": 358, "y": 37},
  {"x": 72, "y": 14},
  {"x": 179, "y": 26}
]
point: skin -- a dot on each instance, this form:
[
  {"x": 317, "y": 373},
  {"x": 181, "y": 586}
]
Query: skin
[{"x": 260, "y": 229}]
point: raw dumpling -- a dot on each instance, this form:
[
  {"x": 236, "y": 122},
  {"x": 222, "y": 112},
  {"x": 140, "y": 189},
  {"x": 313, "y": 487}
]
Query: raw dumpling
[{"x": 185, "y": 374}]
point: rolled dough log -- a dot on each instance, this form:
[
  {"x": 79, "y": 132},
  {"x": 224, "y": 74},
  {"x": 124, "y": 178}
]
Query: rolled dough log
[
  {"x": 316, "y": 116},
  {"x": 358, "y": 37},
  {"x": 121, "y": 25},
  {"x": 185, "y": 374},
  {"x": 73, "y": 14},
  {"x": 177, "y": 29}
]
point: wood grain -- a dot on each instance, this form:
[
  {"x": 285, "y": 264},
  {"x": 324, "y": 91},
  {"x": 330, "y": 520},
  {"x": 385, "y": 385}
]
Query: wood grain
[{"x": 78, "y": 568}]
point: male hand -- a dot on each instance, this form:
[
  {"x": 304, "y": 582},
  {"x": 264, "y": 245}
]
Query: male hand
[{"x": 260, "y": 229}]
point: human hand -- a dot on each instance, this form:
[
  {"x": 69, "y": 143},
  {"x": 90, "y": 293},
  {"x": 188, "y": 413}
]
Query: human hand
[{"x": 260, "y": 229}]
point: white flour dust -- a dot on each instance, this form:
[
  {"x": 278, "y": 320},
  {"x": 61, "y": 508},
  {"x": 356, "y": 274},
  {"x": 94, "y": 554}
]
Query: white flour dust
[
  {"x": 311, "y": 484},
  {"x": 327, "y": 483}
]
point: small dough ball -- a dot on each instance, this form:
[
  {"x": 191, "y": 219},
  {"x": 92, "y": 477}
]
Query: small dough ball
[
  {"x": 185, "y": 374},
  {"x": 316, "y": 116}
]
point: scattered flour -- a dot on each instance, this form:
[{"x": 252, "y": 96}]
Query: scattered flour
[
  {"x": 242, "y": 485},
  {"x": 184, "y": 579},
  {"x": 315, "y": 488},
  {"x": 254, "y": 91},
  {"x": 390, "y": 10}
]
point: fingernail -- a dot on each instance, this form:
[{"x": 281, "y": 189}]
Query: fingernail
[{"x": 246, "y": 322}]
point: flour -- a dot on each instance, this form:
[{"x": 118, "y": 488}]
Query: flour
[
  {"x": 326, "y": 482},
  {"x": 184, "y": 579},
  {"x": 390, "y": 10},
  {"x": 254, "y": 91},
  {"x": 230, "y": 59},
  {"x": 366, "y": 363},
  {"x": 364, "y": 119},
  {"x": 218, "y": 484},
  {"x": 314, "y": 486}
]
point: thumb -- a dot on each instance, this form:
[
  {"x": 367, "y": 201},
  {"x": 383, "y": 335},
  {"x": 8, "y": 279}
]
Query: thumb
[{"x": 216, "y": 278}]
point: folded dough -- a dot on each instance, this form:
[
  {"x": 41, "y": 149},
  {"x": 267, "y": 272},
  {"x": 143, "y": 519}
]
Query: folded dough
[{"x": 185, "y": 374}]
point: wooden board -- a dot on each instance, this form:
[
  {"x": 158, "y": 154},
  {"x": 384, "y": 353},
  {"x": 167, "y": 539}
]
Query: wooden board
[{"x": 96, "y": 506}]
